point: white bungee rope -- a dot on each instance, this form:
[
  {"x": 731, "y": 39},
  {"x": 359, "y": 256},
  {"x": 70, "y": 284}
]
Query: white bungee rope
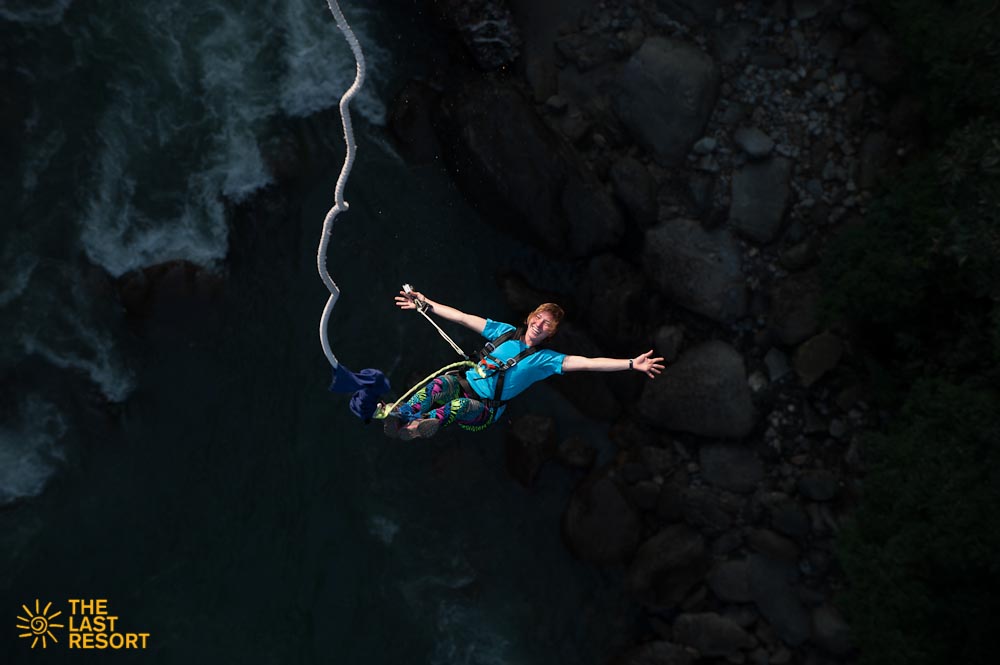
[{"x": 340, "y": 204}]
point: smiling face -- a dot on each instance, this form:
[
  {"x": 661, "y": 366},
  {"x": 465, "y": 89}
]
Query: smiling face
[{"x": 542, "y": 323}]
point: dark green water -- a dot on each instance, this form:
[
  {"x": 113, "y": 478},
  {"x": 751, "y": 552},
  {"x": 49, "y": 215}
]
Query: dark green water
[{"x": 229, "y": 505}]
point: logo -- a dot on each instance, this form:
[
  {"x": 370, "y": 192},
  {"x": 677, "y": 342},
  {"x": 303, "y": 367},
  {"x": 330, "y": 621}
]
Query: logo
[
  {"x": 38, "y": 624},
  {"x": 90, "y": 626}
]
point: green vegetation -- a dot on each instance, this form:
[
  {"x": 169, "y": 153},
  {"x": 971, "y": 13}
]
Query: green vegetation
[{"x": 919, "y": 282}]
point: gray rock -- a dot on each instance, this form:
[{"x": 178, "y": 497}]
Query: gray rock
[
  {"x": 705, "y": 392},
  {"x": 655, "y": 653},
  {"x": 530, "y": 442},
  {"x": 644, "y": 494},
  {"x": 794, "y": 312},
  {"x": 667, "y": 91},
  {"x": 732, "y": 467},
  {"x": 667, "y": 341},
  {"x": 755, "y": 143},
  {"x": 760, "y": 193},
  {"x": 730, "y": 582},
  {"x": 773, "y": 545},
  {"x": 698, "y": 269},
  {"x": 704, "y": 146},
  {"x": 707, "y": 511},
  {"x": 789, "y": 518},
  {"x": 667, "y": 566},
  {"x": 817, "y": 356},
  {"x": 773, "y": 591},
  {"x": 599, "y": 525},
  {"x": 818, "y": 485},
  {"x": 635, "y": 189},
  {"x": 831, "y": 632},
  {"x": 711, "y": 634},
  {"x": 799, "y": 255},
  {"x": 777, "y": 364}
]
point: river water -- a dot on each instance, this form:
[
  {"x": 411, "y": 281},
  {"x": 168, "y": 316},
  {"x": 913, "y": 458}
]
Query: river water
[{"x": 190, "y": 467}]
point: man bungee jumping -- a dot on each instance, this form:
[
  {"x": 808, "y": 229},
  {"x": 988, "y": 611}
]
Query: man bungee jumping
[{"x": 512, "y": 360}]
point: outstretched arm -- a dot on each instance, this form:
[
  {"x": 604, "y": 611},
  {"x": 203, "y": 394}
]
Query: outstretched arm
[
  {"x": 644, "y": 363},
  {"x": 408, "y": 301}
]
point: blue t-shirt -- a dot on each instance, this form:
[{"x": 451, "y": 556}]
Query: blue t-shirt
[{"x": 536, "y": 367}]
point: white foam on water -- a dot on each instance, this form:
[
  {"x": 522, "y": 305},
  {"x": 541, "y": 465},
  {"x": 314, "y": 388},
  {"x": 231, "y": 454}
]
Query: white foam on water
[
  {"x": 321, "y": 66},
  {"x": 34, "y": 11},
  {"x": 90, "y": 351},
  {"x": 29, "y": 449},
  {"x": 383, "y": 528},
  {"x": 17, "y": 270}
]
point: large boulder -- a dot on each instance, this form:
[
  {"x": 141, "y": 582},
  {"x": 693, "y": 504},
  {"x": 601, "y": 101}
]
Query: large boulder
[
  {"x": 666, "y": 93},
  {"x": 698, "y": 269},
  {"x": 530, "y": 442},
  {"x": 521, "y": 174},
  {"x": 487, "y": 29},
  {"x": 599, "y": 525},
  {"x": 711, "y": 634},
  {"x": 761, "y": 192},
  {"x": 773, "y": 591},
  {"x": 705, "y": 392},
  {"x": 668, "y": 566}
]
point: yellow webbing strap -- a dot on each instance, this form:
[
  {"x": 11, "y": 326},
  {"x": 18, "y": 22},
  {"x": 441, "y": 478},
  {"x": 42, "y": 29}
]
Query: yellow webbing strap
[{"x": 384, "y": 410}]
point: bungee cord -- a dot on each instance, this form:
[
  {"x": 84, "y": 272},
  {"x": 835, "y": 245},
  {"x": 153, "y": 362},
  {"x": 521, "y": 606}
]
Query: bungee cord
[{"x": 340, "y": 204}]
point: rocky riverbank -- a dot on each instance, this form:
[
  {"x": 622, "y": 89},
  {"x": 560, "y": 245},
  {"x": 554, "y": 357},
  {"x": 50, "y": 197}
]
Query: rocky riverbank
[{"x": 696, "y": 158}]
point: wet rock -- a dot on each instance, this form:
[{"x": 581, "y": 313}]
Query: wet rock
[
  {"x": 667, "y": 91},
  {"x": 817, "y": 356},
  {"x": 711, "y": 634},
  {"x": 670, "y": 504},
  {"x": 635, "y": 189},
  {"x": 705, "y": 392},
  {"x": 655, "y": 653},
  {"x": 755, "y": 143},
  {"x": 799, "y": 255},
  {"x": 644, "y": 494},
  {"x": 772, "y": 588},
  {"x": 732, "y": 467},
  {"x": 171, "y": 284},
  {"x": 730, "y": 582},
  {"x": 599, "y": 525},
  {"x": 794, "y": 311},
  {"x": 698, "y": 269},
  {"x": 530, "y": 442},
  {"x": 830, "y": 631},
  {"x": 667, "y": 566},
  {"x": 760, "y": 193},
  {"x": 818, "y": 485}
]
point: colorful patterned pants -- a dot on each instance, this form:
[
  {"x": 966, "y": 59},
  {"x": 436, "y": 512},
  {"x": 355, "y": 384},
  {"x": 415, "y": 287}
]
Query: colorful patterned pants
[{"x": 444, "y": 399}]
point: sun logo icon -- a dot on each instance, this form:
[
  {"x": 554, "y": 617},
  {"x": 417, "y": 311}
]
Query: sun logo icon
[{"x": 38, "y": 623}]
